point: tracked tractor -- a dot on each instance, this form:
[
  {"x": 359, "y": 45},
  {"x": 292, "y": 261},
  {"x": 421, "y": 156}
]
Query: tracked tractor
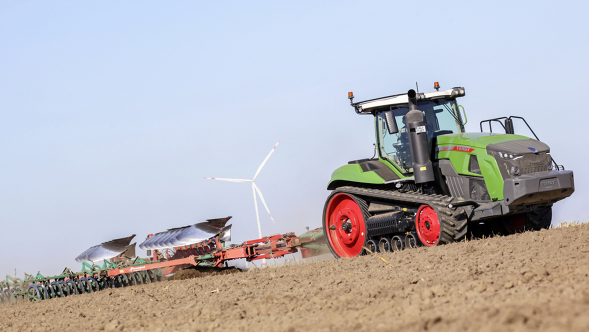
[{"x": 431, "y": 183}]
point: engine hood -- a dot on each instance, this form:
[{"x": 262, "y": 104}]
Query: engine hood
[{"x": 482, "y": 140}]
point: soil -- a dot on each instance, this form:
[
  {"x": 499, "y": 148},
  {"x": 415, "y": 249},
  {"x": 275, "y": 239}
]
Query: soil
[
  {"x": 524, "y": 282},
  {"x": 199, "y": 272}
]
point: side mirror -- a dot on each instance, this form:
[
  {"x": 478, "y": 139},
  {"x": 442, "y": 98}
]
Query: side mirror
[{"x": 389, "y": 118}]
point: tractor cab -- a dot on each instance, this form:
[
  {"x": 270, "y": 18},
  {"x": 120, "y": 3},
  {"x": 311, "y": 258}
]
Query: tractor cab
[{"x": 441, "y": 118}]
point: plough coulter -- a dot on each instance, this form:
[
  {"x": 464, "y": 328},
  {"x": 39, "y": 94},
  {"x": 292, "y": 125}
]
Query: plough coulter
[{"x": 201, "y": 244}]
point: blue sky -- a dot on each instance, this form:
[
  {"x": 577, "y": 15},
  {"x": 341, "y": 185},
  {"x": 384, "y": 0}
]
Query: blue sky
[{"x": 112, "y": 113}]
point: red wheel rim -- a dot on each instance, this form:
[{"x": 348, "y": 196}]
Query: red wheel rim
[
  {"x": 515, "y": 224},
  {"x": 427, "y": 225},
  {"x": 348, "y": 240}
]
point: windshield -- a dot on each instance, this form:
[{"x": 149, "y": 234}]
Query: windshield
[{"x": 441, "y": 117}]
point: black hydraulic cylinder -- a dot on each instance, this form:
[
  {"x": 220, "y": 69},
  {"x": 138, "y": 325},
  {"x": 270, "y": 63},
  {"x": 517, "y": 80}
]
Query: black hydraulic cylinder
[{"x": 422, "y": 166}]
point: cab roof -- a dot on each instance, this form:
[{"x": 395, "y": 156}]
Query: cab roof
[{"x": 368, "y": 106}]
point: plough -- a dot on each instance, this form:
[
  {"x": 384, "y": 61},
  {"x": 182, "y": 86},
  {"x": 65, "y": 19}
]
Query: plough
[{"x": 202, "y": 244}]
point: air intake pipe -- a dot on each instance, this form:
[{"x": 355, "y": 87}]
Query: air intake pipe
[{"x": 422, "y": 166}]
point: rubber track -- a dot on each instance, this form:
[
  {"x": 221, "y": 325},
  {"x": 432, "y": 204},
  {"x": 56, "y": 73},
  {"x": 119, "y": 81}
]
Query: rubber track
[{"x": 453, "y": 221}]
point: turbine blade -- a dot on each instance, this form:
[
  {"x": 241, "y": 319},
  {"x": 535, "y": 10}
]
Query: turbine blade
[
  {"x": 265, "y": 160},
  {"x": 230, "y": 180},
  {"x": 257, "y": 214},
  {"x": 263, "y": 202}
]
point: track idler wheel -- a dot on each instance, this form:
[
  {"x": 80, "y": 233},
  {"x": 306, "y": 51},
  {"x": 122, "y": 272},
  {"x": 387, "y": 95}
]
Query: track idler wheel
[
  {"x": 427, "y": 226},
  {"x": 384, "y": 245},
  {"x": 344, "y": 224}
]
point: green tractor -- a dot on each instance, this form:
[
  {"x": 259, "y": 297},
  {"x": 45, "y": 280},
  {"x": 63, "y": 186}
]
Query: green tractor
[{"x": 431, "y": 183}]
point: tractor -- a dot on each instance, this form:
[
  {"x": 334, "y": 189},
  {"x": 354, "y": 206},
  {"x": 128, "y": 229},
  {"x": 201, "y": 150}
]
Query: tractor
[{"x": 431, "y": 183}]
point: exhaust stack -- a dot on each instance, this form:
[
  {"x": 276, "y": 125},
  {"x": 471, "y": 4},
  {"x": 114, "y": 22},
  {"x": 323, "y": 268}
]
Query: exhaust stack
[{"x": 422, "y": 166}]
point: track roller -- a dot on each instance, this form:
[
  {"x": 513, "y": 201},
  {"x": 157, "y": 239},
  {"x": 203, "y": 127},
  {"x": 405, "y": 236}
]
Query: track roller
[
  {"x": 384, "y": 245},
  {"x": 398, "y": 243},
  {"x": 411, "y": 241},
  {"x": 371, "y": 245}
]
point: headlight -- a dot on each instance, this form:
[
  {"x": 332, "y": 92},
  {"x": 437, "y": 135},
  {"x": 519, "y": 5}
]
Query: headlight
[
  {"x": 509, "y": 156},
  {"x": 458, "y": 92}
]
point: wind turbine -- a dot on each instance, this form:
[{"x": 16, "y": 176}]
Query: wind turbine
[{"x": 255, "y": 190}]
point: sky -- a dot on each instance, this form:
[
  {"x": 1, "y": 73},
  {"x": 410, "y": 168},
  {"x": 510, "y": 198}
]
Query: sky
[{"x": 113, "y": 113}]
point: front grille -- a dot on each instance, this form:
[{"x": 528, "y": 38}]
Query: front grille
[
  {"x": 535, "y": 169},
  {"x": 527, "y": 164}
]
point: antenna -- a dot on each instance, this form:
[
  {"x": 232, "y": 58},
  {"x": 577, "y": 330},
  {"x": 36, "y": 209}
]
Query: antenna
[{"x": 417, "y": 87}]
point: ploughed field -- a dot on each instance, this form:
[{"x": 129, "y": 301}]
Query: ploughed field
[{"x": 531, "y": 281}]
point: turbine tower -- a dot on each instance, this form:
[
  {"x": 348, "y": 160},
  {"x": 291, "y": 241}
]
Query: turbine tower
[{"x": 255, "y": 190}]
